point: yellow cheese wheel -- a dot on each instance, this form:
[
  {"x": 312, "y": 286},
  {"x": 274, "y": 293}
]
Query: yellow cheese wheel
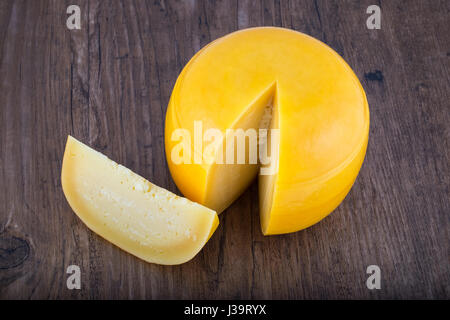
[
  {"x": 317, "y": 104},
  {"x": 129, "y": 211}
]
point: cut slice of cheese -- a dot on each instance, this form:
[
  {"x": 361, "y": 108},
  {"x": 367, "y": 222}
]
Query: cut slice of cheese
[
  {"x": 129, "y": 211},
  {"x": 318, "y": 105}
]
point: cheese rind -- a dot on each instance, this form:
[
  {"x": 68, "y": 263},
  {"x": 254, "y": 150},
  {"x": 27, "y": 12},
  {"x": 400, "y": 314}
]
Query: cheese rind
[
  {"x": 321, "y": 112},
  {"x": 129, "y": 211}
]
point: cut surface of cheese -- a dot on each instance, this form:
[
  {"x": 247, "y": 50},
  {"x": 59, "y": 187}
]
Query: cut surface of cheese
[
  {"x": 129, "y": 211},
  {"x": 318, "y": 106}
]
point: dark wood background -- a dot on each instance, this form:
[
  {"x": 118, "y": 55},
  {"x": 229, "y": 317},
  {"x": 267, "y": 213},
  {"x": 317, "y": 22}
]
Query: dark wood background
[{"x": 109, "y": 83}]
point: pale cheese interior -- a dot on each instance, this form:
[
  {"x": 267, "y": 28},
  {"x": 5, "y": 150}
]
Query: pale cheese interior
[
  {"x": 228, "y": 181},
  {"x": 126, "y": 209}
]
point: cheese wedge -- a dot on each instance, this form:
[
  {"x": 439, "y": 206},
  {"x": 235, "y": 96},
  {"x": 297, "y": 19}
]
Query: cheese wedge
[
  {"x": 318, "y": 106},
  {"x": 129, "y": 211}
]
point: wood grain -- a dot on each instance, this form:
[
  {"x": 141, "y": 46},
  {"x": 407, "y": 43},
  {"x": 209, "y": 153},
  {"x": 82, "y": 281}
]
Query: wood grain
[{"x": 109, "y": 83}]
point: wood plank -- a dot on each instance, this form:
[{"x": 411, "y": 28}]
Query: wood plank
[{"x": 109, "y": 83}]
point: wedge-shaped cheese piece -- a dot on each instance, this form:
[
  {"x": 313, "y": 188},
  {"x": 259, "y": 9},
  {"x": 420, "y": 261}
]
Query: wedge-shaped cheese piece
[
  {"x": 318, "y": 105},
  {"x": 129, "y": 211}
]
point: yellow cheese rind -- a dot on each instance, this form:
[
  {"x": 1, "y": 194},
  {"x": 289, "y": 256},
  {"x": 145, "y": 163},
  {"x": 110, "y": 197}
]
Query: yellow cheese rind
[
  {"x": 129, "y": 211},
  {"x": 321, "y": 111}
]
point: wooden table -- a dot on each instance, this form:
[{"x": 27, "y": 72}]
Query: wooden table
[{"x": 108, "y": 85}]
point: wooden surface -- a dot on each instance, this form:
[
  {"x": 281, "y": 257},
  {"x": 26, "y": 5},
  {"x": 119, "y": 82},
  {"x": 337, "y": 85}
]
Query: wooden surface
[{"x": 109, "y": 83}]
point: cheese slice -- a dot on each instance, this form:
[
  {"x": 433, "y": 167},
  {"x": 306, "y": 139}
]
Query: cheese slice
[
  {"x": 129, "y": 211},
  {"x": 318, "y": 106}
]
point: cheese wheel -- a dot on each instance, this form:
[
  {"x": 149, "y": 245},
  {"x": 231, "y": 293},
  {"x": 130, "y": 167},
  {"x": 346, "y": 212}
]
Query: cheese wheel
[
  {"x": 129, "y": 211},
  {"x": 317, "y": 104}
]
